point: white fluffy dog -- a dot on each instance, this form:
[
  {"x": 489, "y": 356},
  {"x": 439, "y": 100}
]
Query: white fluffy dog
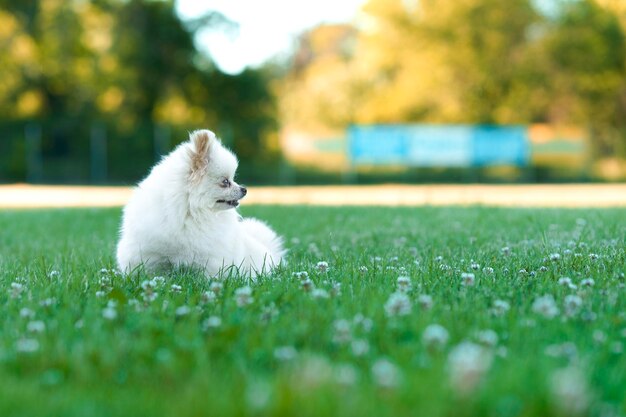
[{"x": 183, "y": 214}]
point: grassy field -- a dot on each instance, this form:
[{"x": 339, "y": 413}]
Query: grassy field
[{"x": 380, "y": 312}]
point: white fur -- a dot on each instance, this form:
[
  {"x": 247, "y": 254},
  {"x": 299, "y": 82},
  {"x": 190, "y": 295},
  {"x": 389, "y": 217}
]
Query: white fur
[{"x": 174, "y": 218}]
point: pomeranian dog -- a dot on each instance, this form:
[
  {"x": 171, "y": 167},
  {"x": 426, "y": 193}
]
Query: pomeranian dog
[{"x": 183, "y": 214}]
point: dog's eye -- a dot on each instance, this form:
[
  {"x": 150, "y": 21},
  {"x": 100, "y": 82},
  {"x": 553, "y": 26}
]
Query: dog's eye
[{"x": 225, "y": 183}]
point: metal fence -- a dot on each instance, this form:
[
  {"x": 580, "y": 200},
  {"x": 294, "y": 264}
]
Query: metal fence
[
  {"x": 73, "y": 152},
  {"x": 438, "y": 146}
]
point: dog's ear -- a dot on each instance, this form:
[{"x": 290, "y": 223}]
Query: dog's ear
[{"x": 201, "y": 143}]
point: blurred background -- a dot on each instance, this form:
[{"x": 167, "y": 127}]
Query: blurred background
[{"x": 366, "y": 91}]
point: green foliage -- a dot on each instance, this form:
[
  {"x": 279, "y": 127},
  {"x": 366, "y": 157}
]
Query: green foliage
[
  {"x": 129, "y": 67},
  {"x": 64, "y": 352}
]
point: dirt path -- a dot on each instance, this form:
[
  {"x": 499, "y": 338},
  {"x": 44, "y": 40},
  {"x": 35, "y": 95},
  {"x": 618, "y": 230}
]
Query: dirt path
[{"x": 568, "y": 195}]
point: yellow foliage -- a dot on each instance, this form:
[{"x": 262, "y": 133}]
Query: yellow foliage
[
  {"x": 110, "y": 99},
  {"x": 29, "y": 103}
]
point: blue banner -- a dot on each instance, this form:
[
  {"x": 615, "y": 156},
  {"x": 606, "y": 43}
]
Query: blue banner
[
  {"x": 438, "y": 145},
  {"x": 498, "y": 145}
]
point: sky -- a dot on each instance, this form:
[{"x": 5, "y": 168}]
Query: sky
[{"x": 267, "y": 28}]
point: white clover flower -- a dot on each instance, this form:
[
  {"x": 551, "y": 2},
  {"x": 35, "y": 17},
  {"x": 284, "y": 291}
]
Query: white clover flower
[
  {"x": 285, "y": 353},
  {"x": 398, "y": 304},
  {"x": 216, "y": 287},
  {"x": 468, "y": 362},
  {"x": 570, "y": 392},
  {"x": 468, "y": 279},
  {"x": 487, "y": 337},
  {"x": 500, "y": 308},
  {"x": 439, "y": 258},
  {"x": 475, "y": 266},
  {"x": 243, "y": 296},
  {"x": 555, "y": 257},
  {"x": 435, "y": 336},
  {"x": 212, "y": 322},
  {"x": 257, "y": 395},
  {"x": 599, "y": 336},
  {"x": 488, "y": 270},
  {"x": 301, "y": 275},
  {"x": 319, "y": 293},
  {"x": 208, "y": 297},
  {"x": 149, "y": 296},
  {"x": 543, "y": 268},
  {"x": 147, "y": 285},
  {"x": 36, "y": 326},
  {"x": 425, "y": 301},
  {"x": 156, "y": 281},
  {"x": 175, "y": 288},
  {"x": 363, "y": 270},
  {"x": 27, "y": 345},
  {"x": 16, "y": 290},
  {"x": 48, "y": 302},
  {"x": 182, "y": 311},
  {"x": 269, "y": 312},
  {"x": 572, "y": 304},
  {"x": 345, "y": 374},
  {"x": 54, "y": 274},
  {"x": 360, "y": 347},
  {"x": 386, "y": 374},
  {"x": 587, "y": 282},
  {"x": 322, "y": 266},
  {"x": 109, "y": 313},
  {"x": 506, "y": 251},
  {"x": 343, "y": 331},
  {"x": 311, "y": 372},
  {"x": 594, "y": 256},
  {"x": 26, "y": 313},
  {"x": 307, "y": 285},
  {"x": 567, "y": 282},
  {"x": 404, "y": 284},
  {"x": 545, "y": 306},
  {"x": 100, "y": 294}
]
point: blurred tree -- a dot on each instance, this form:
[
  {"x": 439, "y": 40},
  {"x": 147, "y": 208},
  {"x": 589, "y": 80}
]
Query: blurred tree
[
  {"x": 465, "y": 61},
  {"x": 124, "y": 65},
  {"x": 452, "y": 61},
  {"x": 318, "y": 91},
  {"x": 585, "y": 58}
]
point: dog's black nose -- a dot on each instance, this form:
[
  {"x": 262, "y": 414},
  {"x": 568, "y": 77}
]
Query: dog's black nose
[{"x": 244, "y": 191}]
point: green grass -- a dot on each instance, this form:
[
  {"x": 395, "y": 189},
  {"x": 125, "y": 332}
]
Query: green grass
[{"x": 151, "y": 361}]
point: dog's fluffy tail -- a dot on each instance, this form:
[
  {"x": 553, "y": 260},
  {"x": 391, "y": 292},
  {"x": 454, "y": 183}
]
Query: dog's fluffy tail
[{"x": 267, "y": 237}]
